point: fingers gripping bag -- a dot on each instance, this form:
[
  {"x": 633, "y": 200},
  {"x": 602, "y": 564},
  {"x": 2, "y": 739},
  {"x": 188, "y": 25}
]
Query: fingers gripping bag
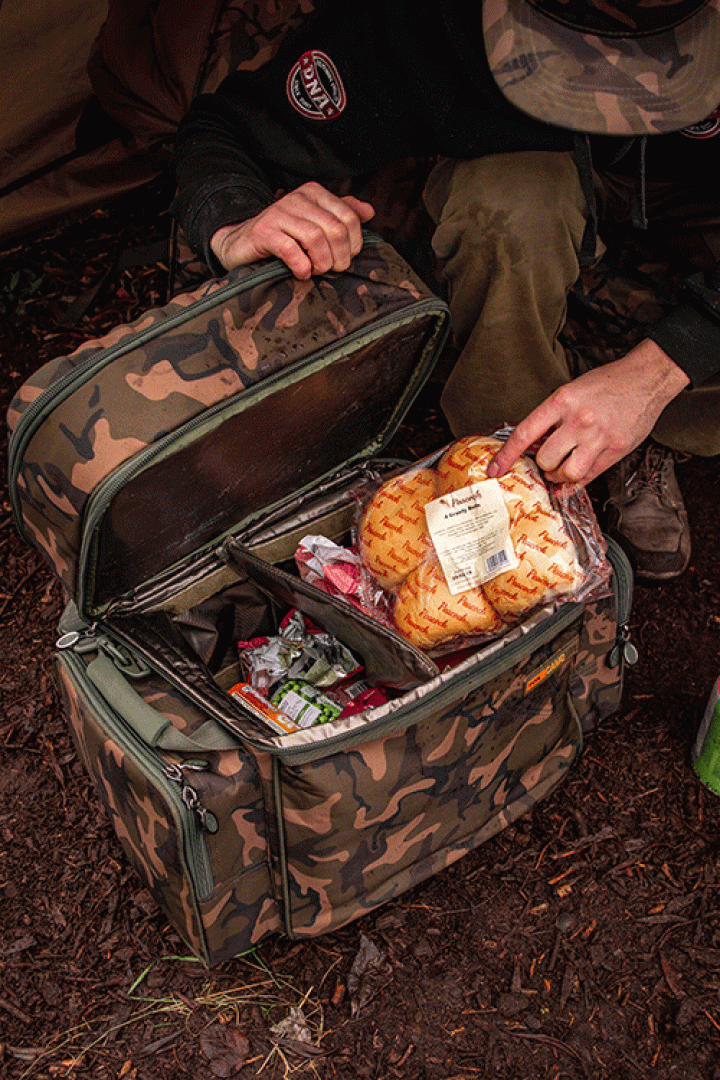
[{"x": 466, "y": 557}]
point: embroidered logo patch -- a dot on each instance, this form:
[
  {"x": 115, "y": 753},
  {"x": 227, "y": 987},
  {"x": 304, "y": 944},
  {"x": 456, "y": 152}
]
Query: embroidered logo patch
[
  {"x": 551, "y": 665},
  {"x": 706, "y": 128},
  {"x": 315, "y": 88}
]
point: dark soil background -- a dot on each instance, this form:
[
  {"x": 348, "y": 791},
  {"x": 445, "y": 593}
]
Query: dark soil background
[{"x": 584, "y": 942}]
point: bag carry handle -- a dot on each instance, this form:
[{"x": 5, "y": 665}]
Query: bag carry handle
[{"x": 153, "y": 727}]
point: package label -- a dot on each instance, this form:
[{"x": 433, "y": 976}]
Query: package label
[
  {"x": 303, "y": 712},
  {"x": 305, "y": 703},
  {"x": 470, "y": 529}
]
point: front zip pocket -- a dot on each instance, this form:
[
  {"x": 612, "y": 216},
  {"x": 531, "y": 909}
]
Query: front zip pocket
[{"x": 157, "y": 823}]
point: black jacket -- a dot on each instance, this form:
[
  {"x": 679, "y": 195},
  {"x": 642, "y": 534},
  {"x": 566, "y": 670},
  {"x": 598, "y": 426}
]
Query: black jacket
[{"x": 387, "y": 79}]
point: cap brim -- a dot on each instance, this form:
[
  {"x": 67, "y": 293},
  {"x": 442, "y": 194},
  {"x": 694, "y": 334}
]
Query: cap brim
[{"x": 611, "y": 86}]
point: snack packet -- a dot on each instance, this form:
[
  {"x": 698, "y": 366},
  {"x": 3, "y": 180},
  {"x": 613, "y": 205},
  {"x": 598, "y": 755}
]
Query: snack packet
[
  {"x": 341, "y": 572},
  {"x": 356, "y": 695},
  {"x": 300, "y": 650},
  {"x": 280, "y": 722},
  {"x": 305, "y": 704}
]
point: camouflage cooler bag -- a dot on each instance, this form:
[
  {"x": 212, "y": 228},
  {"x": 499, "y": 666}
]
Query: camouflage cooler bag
[{"x": 167, "y": 473}]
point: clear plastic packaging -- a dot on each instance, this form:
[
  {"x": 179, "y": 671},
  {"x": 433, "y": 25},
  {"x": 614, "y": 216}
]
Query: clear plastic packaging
[
  {"x": 466, "y": 557},
  {"x": 340, "y": 571}
]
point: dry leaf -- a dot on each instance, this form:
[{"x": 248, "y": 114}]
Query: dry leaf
[
  {"x": 371, "y": 970},
  {"x": 294, "y": 1026},
  {"x": 225, "y": 1047}
]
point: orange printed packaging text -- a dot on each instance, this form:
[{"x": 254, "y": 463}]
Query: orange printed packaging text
[
  {"x": 467, "y": 557},
  {"x": 259, "y": 706}
]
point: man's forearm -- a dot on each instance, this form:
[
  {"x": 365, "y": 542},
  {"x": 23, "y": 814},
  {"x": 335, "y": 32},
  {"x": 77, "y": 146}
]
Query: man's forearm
[{"x": 202, "y": 209}]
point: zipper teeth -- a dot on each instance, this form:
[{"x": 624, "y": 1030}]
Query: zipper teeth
[
  {"x": 344, "y": 605},
  {"x": 197, "y": 697},
  {"x": 107, "y": 489},
  {"x": 166, "y": 584},
  {"x": 495, "y": 665},
  {"x": 282, "y": 860},
  {"x": 623, "y": 580},
  {"x": 165, "y": 587},
  {"x": 196, "y": 866},
  {"x": 64, "y": 386}
]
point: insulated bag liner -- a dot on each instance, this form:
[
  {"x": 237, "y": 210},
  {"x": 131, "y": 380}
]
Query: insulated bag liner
[{"x": 125, "y": 459}]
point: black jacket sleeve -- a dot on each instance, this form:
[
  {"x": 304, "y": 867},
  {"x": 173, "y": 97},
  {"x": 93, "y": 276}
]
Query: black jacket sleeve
[
  {"x": 398, "y": 87},
  {"x": 690, "y": 334},
  {"x": 218, "y": 182}
]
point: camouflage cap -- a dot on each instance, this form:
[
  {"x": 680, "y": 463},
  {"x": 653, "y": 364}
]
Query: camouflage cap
[{"x": 635, "y": 67}]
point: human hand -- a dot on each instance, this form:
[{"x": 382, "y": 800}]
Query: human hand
[
  {"x": 595, "y": 420},
  {"x": 309, "y": 229}
]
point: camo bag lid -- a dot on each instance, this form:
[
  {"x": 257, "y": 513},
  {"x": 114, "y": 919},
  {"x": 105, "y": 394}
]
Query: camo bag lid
[{"x": 148, "y": 445}]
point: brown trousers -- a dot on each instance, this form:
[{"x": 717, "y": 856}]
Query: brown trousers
[{"x": 508, "y": 232}]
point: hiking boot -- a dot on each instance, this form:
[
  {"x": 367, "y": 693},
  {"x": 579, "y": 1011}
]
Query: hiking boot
[{"x": 646, "y": 514}]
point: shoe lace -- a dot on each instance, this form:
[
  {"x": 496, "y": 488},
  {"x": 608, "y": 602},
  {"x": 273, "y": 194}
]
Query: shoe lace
[{"x": 651, "y": 465}]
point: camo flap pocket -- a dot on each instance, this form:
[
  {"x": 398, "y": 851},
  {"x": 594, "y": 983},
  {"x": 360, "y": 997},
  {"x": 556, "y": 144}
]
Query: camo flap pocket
[{"x": 194, "y": 828}]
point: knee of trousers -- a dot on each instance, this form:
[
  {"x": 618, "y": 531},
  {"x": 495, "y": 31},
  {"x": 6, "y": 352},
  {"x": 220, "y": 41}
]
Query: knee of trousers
[{"x": 508, "y": 206}]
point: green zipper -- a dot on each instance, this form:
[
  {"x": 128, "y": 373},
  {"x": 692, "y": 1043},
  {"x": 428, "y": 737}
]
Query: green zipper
[
  {"x": 495, "y": 665},
  {"x": 403, "y": 714},
  {"x": 282, "y": 858},
  {"x": 622, "y": 578},
  {"x": 623, "y": 651},
  {"x": 193, "y": 850},
  {"x": 106, "y": 490},
  {"x": 44, "y": 405}
]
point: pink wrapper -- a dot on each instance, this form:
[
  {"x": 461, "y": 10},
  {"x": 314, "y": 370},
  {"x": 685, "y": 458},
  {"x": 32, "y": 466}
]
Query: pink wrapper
[{"x": 340, "y": 571}]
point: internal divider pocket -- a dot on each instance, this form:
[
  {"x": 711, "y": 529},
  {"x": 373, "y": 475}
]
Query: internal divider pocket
[{"x": 388, "y": 658}]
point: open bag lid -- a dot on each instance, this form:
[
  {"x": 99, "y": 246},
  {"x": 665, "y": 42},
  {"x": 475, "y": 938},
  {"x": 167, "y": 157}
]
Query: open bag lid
[{"x": 146, "y": 446}]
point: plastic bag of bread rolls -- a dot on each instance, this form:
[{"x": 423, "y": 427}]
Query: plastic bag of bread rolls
[
  {"x": 393, "y": 537},
  {"x": 467, "y": 557}
]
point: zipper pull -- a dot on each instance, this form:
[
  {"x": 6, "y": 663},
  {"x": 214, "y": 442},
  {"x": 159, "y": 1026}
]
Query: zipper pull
[
  {"x": 79, "y": 640},
  {"x": 188, "y": 794},
  {"x": 623, "y": 647},
  {"x": 222, "y": 552},
  {"x": 132, "y": 666},
  {"x": 72, "y": 627}
]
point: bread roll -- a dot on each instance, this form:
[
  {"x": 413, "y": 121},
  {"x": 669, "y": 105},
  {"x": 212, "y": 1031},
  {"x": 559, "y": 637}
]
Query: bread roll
[
  {"x": 396, "y": 547},
  {"x": 427, "y": 614},
  {"x": 524, "y": 490},
  {"x": 548, "y": 565},
  {"x": 393, "y": 536},
  {"x": 465, "y": 462}
]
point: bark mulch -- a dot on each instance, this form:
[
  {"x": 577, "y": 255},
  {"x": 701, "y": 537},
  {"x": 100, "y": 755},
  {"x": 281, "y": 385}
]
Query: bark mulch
[{"x": 582, "y": 943}]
